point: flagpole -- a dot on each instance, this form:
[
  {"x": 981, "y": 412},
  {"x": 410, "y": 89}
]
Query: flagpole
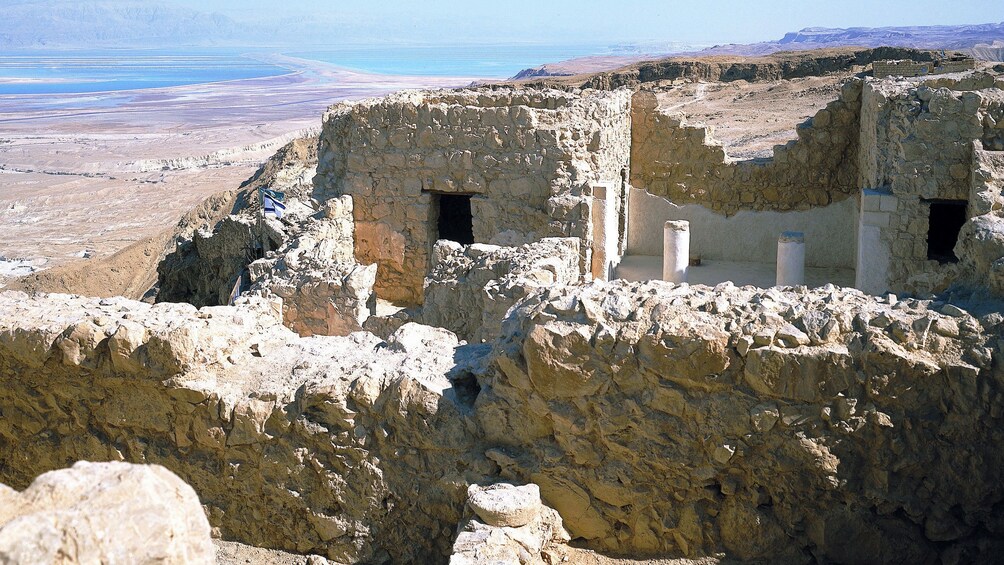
[{"x": 261, "y": 223}]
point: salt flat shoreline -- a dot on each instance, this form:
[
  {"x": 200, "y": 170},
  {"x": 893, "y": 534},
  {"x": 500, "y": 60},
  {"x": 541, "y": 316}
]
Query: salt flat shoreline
[{"x": 79, "y": 174}]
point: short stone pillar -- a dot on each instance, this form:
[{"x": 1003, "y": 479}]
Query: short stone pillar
[
  {"x": 791, "y": 258},
  {"x": 676, "y": 251}
]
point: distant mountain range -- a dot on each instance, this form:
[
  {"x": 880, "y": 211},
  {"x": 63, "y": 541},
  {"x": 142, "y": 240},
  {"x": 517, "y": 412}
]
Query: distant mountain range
[
  {"x": 956, "y": 37},
  {"x": 90, "y": 24},
  {"x": 929, "y": 37},
  {"x": 983, "y": 41}
]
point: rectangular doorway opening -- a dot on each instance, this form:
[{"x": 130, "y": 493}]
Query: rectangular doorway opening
[
  {"x": 944, "y": 224},
  {"x": 455, "y": 221}
]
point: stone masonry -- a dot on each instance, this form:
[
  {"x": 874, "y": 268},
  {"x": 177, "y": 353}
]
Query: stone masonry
[
  {"x": 470, "y": 289},
  {"x": 684, "y": 164},
  {"x": 917, "y": 147},
  {"x": 527, "y": 159}
]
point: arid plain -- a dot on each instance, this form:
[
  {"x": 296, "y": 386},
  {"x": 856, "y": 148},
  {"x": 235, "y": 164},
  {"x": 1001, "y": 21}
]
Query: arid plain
[{"x": 83, "y": 176}]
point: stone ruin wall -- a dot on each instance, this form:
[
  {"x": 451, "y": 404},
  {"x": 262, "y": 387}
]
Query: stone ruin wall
[
  {"x": 323, "y": 290},
  {"x": 527, "y": 157},
  {"x": 657, "y": 419},
  {"x": 781, "y": 426},
  {"x": 981, "y": 242},
  {"x": 349, "y": 447},
  {"x": 917, "y": 143},
  {"x": 684, "y": 164},
  {"x": 907, "y": 68},
  {"x": 470, "y": 289}
]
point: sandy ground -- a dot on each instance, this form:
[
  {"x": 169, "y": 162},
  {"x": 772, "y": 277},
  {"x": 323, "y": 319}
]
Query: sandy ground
[
  {"x": 89, "y": 175},
  {"x": 751, "y": 118}
]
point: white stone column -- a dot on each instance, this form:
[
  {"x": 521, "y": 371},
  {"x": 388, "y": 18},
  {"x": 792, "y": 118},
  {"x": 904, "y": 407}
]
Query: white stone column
[
  {"x": 676, "y": 251},
  {"x": 791, "y": 258},
  {"x": 605, "y": 255}
]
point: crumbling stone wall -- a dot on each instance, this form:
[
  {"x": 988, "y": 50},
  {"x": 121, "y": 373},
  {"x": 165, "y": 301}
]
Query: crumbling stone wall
[
  {"x": 323, "y": 290},
  {"x": 917, "y": 145},
  {"x": 525, "y": 156},
  {"x": 471, "y": 288},
  {"x": 684, "y": 164},
  {"x": 981, "y": 241},
  {"x": 657, "y": 419},
  {"x": 786, "y": 427},
  {"x": 908, "y": 68},
  {"x": 350, "y": 447}
]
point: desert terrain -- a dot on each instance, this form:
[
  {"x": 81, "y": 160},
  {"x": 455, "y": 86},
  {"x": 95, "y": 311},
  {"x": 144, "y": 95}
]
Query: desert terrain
[
  {"x": 750, "y": 118},
  {"x": 85, "y": 176}
]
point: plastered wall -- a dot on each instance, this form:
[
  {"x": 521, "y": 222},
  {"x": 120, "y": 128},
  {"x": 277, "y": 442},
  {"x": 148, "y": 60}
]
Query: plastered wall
[{"x": 830, "y": 231}]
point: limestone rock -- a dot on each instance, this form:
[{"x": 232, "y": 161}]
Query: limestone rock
[
  {"x": 310, "y": 445},
  {"x": 509, "y": 525},
  {"x": 469, "y": 290},
  {"x": 107, "y": 513},
  {"x": 651, "y": 435},
  {"x": 505, "y": 505},
  {"x": 629, "y": 405}
]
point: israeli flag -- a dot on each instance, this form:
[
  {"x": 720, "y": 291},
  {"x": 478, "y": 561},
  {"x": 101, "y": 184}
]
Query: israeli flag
[{"x": 272, "y": 206}]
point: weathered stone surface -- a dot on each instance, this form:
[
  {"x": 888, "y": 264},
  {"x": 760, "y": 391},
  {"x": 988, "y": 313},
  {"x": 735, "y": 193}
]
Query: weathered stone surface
[
  {"x": 764, "y": 451},
  {"x": 505, "y": 505},
  {"x": 633, "y": 407},
  {"x": 323, "y": 290},
  {"x": 470, "y": 289},
  {"x": 104, "y": 513},
  {"x": 339, "y": 446},
  {"x": 509, "y": 525}
]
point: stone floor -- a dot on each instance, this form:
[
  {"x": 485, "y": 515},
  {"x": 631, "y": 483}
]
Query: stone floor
[{"x": 648, "y": 267}]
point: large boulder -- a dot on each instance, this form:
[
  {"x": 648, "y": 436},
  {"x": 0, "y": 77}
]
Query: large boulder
[{"x": 113, "y": 513}]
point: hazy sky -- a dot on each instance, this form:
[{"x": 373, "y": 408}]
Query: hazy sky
[{"x": 697, "y": 21}]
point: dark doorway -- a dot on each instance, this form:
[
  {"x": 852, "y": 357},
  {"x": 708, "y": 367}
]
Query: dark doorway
[
  {"x": 944, "y": 223},
  {"x": 456, "y": 223}
]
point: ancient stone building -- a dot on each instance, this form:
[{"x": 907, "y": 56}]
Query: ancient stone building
[
  {"x": 881, "y": 181},
  {"x": 779, "y": 424},
  {"x": 502, "y": 167},
  {"x": 878, "y": 181},
  {"x": 918, "y": 169}
]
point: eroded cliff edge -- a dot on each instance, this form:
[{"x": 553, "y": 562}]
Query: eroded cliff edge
[{"x": 657, "y": 419}]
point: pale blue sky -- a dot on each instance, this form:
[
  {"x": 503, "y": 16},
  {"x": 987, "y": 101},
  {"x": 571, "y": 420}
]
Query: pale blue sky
[{"x": 708, "y": 21}]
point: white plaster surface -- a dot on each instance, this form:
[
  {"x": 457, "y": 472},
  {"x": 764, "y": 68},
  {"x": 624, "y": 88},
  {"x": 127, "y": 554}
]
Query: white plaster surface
[
  {"x": 648, "y": 267},
  {"x": 830, "y": 232}
]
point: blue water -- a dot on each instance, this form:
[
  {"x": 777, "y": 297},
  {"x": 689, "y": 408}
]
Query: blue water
[
  {"x": 63, "y": 72},
  {"x": 480, "y": 61},
  {"x": 42, "y": 72}
]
